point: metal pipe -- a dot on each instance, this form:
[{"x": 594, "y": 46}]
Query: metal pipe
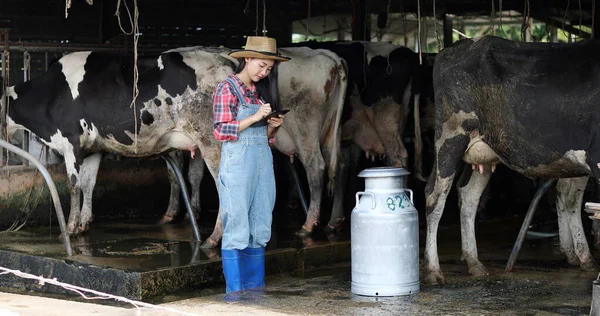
[
  {"x": 526, "y": 222},
  {"x": 53, "y": 192},
  {"x": 184, "y": 192},
  {"x": 299, "y": 188}
]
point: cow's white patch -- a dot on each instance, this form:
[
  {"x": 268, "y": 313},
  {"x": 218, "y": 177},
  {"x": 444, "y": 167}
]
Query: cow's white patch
[
  {"x": 90, "y": 134},
  {"x": 576, "y": 156},
  {"x": 64, "y": 147},
  {"x": 181, "y": 141},
  {"x": 204, "y": 65},
  {"x": 13, "y": 127},
  {"x": 598, "y": 165},
  {"x": 160, "y": 63},
  {"x": 378, "y": 49},
  {"x": 73, "y": 69},
  {"x": 10, "y": 91}
]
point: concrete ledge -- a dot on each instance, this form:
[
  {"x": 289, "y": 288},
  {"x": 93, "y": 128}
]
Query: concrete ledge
[{"x": 143, "y": 285}]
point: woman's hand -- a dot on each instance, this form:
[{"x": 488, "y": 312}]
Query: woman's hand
[
  {"x": 263, "y": 111},
  {"x": 275, "y": 122}
]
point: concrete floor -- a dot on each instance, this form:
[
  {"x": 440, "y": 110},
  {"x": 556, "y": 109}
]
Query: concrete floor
[{"x": 542, "y": 283}]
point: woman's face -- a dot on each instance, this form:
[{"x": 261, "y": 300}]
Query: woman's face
[{"x": 258, "y": 68}]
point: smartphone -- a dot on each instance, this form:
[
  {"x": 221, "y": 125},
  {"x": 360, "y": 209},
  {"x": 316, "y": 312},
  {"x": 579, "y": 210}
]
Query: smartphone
[{"x": 276, "y": 113}]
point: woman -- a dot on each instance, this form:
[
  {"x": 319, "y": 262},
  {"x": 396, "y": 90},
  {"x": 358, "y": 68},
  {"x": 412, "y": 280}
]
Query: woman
[{"x": 246, "y": 182}]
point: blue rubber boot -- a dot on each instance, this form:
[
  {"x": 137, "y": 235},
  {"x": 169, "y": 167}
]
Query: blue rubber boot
[
  {"x": 231, "y": 270},
  {"x": 253, "y": 268}
]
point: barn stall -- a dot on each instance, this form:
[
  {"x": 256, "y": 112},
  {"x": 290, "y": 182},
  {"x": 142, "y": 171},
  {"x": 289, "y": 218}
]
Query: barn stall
[{"x": 128, "y": 253}]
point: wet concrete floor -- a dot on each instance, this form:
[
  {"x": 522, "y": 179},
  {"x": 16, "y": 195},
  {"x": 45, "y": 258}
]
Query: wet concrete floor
[{"x": 542, "y": 282}]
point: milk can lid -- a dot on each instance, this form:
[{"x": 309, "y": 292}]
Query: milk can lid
[{"x": 383, "y": 172}]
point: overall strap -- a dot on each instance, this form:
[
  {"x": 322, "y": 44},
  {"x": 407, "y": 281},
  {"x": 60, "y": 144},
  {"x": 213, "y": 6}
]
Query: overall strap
[{"x": 238, "y": 92}]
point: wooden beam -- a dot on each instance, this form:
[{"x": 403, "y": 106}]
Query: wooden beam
[{"x": 361, "y": 30}]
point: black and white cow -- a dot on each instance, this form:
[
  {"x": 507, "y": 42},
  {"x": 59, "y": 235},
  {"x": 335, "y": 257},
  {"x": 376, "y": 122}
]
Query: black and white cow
[
  {"x": 530, "y": 106},
  {"x": 383, "y": 78},
  {"x": 80, "y": 107}
]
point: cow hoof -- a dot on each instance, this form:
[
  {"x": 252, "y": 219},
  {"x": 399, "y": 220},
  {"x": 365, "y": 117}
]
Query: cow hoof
[
  {"x": 434, "y": 278},
  {"x": 166, "y": 219},
  {"x": 187, "y": 216},
  {"x": 209, "y": 243},
  {"x": 589, "y": 265},
  {"x": 83, "y": 228},
  {"x": 210, "y": 253},
  {"x": 478, "y": 270},
  {"x": 303, "y": 233},
  {"x": 332, "y": 229},
  {"x": 574, "y": 261}
]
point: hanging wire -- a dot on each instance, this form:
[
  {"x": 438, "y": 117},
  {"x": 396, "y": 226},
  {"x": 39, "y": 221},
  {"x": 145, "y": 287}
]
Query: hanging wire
[
  {"x": 500, "y": 9},
  {"x": 525, "y": 27},
  {"x": 564, "y": 19},
  {"x": 264, "y": 30},
  {"x": 135, "y": 30},
  {"x": 247, "y": 8},
  {"x": 580, "y": 17},
  {"x": 5, "y": 83},
  {"x": 594, "y": 19},
  {"x": 435, "y": 29},
  {"x": 492, "y": 18},
  {"x": 419, "y": 32},
  {"x": 308, "y": 20}
]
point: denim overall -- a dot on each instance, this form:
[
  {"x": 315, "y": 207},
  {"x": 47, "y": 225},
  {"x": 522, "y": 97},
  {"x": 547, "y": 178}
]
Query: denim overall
[{"x": 246, "y": 185}]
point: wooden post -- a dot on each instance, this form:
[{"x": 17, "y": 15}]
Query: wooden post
[
  {"x": 361, "y": 30},
  {"x": 447, "y": 30}
]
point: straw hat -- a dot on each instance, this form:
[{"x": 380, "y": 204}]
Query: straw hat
[{"x": 259, "y": 47}]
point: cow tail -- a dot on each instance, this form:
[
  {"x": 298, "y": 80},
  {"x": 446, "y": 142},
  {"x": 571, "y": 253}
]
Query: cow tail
[
  {"x": 337, "y": 105},
  {"x": 417, "y": 119}
]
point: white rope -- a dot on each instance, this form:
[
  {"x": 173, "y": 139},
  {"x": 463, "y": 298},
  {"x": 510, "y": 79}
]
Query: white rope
[
  {"x": 135, "y": 30},
  {"x": 67, "y": 7},
  {"x": 81, "y": 291}
]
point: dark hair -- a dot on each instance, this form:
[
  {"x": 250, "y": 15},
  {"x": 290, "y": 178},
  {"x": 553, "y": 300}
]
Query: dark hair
[{"x": 267, "y": 88}]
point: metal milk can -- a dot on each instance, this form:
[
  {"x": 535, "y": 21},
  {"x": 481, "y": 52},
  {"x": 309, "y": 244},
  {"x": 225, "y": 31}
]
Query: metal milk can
[{"x": 385, "y": 236}]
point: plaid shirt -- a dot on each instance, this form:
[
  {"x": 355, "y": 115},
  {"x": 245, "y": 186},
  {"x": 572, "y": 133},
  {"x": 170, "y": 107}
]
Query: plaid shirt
[{"x": 226, "y": 105}]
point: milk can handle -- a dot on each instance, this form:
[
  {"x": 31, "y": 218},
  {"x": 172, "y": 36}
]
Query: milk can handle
[
  {"x": 369, "y": 193},
  {"x": 411, "y": 194}
]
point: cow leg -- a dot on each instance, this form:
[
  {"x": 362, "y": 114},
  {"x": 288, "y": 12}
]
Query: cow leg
[
  {"x": 212, "y": 157},
  {"x": 195, "y": 175},
  {"x": 572, "y": 236},
  {"x": 337, "y": 211},
  {"x": 449, "y": 152},
  {"x": 470, "y": 187},
  {"x": 173, "y": 208},
  {"x": 75, "y": 191},
  {"x": 89, "y": 173},
  {"x": 314, "y": 164}
]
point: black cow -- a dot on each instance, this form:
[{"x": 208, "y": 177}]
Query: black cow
[
  {"x": 531, "y": 106},
  {"x": 386, "y": 79}
]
